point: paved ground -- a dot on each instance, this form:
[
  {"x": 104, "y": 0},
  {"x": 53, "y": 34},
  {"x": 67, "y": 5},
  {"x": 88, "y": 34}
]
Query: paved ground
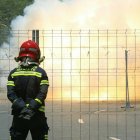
[{"x": 83, "y": 120}]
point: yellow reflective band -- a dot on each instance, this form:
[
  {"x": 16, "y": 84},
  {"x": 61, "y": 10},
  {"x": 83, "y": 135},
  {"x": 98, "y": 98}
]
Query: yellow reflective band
[
  {"x": 10, "y": 83},
  {"x": 46, "y": 137},
  {"x": 38, "y": 101},
  {"x": 14, "y": 100},
  {"x": 27, "y": 105},
  {"x": 26, "y": 73},
  {"x": 44, "y": 82},
  {"x": 42, "y": 109}
]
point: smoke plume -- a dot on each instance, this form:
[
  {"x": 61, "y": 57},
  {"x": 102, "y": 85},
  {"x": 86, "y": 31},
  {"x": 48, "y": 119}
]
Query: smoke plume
[
  {"x": 71, "y": 14},
  {"x": 74, "y": 14}
]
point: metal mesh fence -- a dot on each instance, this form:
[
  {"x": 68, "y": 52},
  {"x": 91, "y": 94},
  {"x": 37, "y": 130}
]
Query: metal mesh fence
[{"x": 94, "y": 82}]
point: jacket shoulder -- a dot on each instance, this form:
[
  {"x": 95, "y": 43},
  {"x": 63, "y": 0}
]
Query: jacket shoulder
[
  {"x": 41, "y": 70},
  {"x": 13, "y": 70}
]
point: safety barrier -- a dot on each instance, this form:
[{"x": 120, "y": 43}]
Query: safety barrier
[{"x": 94, "y": 78}]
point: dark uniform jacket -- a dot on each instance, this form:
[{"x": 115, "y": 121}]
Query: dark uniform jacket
[{"x": 29, "y": 84}]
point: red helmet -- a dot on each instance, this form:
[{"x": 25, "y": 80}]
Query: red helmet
[{"x": 31, "y": 49}]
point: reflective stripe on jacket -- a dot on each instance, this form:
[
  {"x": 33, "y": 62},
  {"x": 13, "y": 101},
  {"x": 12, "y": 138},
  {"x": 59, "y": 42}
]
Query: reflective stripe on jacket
[{"x": 28, "y": 83}]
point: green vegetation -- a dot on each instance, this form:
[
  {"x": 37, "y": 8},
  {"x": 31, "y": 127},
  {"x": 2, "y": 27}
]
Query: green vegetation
[{"x": 9, "y": 9}]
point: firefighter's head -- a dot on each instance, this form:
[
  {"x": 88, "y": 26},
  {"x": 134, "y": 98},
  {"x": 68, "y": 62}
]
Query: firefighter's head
[
  {"x": 29, "y": 49},
  {"x": 29, "y": 54}
]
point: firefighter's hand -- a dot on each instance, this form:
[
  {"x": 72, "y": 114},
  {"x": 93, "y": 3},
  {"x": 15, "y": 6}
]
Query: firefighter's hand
[
  {"x": 26, "y": 113},
  {"x": 18, "y": 104},
  {"x": 35, "y": 104}
]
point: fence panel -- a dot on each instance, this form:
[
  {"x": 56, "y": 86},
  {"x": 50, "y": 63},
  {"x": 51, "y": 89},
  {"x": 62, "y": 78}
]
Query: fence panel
[{"x": 94, "y": 80}]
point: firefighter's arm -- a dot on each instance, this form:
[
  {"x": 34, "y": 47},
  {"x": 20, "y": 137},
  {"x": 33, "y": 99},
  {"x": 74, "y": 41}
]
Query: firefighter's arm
[
  {"x": 17, "y": 103},
  {"x": 11, "y": 94},
  {"x": 41, "y": 96}
]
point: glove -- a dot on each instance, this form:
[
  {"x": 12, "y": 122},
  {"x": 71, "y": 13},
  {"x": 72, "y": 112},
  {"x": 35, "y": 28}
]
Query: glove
[
  {"x": 26, "y": 113},
  {"x": 35, "y": 104},
  {"x": 18, "y": 104}
]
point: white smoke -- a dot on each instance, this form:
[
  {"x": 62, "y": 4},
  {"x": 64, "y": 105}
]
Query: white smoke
[
  {"x": 73, "y": 14},
  {"x": 98, "y": 14}
]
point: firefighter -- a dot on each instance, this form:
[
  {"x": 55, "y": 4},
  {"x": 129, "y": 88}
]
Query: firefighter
[{"x": 27, "y": 89}]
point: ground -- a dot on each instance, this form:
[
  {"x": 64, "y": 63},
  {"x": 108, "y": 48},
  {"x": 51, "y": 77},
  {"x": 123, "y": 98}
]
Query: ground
[{"x": 73, "y": 120}]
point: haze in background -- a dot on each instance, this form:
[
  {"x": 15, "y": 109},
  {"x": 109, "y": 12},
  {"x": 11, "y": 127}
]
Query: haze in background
[
  {"x": 73, "y": 14},
  {"x": 84, "y": 15}
]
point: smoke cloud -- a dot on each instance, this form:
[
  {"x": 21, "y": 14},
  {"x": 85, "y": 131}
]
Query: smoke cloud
[
  {"x": 98, "y": 14},
  {"x": 75, "y": 14}
]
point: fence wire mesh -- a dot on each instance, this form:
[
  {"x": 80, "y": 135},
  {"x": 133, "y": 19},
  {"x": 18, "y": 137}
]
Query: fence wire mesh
[{"x": 94, "y": 85}]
